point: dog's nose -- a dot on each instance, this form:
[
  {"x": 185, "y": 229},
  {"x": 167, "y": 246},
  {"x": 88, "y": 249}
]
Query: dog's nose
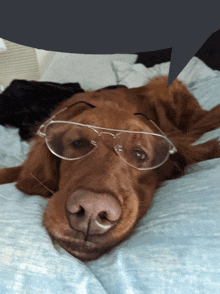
[{"x": 92, "y": 213}]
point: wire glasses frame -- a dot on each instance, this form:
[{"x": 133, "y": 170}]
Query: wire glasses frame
[{"x": 42, "y": 131}]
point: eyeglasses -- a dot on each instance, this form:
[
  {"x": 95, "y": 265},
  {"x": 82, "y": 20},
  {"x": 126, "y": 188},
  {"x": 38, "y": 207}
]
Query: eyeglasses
[{"x": 73, "y": 141}]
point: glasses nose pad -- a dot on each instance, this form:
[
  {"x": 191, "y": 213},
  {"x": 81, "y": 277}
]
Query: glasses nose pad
[
  {"x": 95, "y": 141},
  {"x": 118, "y": 148},
  {"x": 117, "y": 144}
]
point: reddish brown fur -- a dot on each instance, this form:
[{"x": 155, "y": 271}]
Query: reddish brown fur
[{"x": 174, "y": 110}]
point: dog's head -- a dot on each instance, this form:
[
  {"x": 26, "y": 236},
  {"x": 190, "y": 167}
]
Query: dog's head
[{"x": 99, "y": 184}]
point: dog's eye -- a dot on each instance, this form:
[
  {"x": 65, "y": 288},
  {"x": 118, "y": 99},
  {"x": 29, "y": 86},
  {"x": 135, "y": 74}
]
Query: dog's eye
[
  {"x": 81, "y": 143},
  {"x": 139, "y": 155}
]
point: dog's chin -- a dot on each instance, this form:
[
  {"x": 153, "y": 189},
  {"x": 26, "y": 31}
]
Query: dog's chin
[
  {"x": 87, "y": 250},
  {"x": 81, "y": 249}
]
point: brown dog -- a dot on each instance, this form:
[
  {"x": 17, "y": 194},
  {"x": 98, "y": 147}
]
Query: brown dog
[{"x": 100, "y": 159}]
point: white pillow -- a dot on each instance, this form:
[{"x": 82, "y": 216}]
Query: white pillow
[
  {"x": 91, "y": 71},
  {"x": 136, "y": 75}
]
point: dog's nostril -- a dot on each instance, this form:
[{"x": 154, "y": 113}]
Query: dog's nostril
[
  {"x": 81, "y": 211},
  {"x": 103, "y": 215},
  {"x": 103, "y": 223}
]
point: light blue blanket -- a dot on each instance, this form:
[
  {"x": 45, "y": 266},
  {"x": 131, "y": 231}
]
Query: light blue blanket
[{"x": 175, "y": 248}]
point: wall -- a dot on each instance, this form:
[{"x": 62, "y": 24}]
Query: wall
[{"x": 18, "y": 62}]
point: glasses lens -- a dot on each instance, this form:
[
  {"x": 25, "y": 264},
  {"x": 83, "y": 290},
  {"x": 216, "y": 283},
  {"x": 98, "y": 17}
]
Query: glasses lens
[
  {"x": 70, "y": 141},
  {"x": 143, "y": 151}
]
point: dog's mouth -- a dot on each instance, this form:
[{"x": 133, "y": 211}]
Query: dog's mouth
[{"x": 83, "y": 249}]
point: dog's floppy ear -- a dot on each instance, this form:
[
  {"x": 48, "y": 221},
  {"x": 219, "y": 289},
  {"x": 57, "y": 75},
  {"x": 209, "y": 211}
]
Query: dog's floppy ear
[
  {"x": 172, "y": 108},
  {"x": 40, "y": 171},
  {"x": 173, "y": 168},
  {"x": 187, "y": 154}
]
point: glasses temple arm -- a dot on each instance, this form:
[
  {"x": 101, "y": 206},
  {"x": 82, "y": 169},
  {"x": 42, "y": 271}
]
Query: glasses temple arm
[
  {"x": 173, "y": 150},
  {"x": 47, "y": 122}
]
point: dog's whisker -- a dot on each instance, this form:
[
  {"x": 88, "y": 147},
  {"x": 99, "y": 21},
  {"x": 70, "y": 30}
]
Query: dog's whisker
[
  {"x": 42, "y": 184},
  {"x": 174, "y": 132}
]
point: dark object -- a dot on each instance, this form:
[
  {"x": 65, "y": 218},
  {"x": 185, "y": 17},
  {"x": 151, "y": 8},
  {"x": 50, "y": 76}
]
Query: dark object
[
  {"x": 151, "y": 58},
  {"x": 24, "y": 104},
  {"x": 208, "y": 53}
]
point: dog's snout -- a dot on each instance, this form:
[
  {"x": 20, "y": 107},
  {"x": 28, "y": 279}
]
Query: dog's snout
[{"x": 92, "y": 213}]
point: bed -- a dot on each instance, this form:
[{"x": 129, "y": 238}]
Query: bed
[{"x": 176, "y": 246}]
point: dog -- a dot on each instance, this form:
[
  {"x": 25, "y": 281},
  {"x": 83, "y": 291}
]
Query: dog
[{"x": 101, "y": 155}]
